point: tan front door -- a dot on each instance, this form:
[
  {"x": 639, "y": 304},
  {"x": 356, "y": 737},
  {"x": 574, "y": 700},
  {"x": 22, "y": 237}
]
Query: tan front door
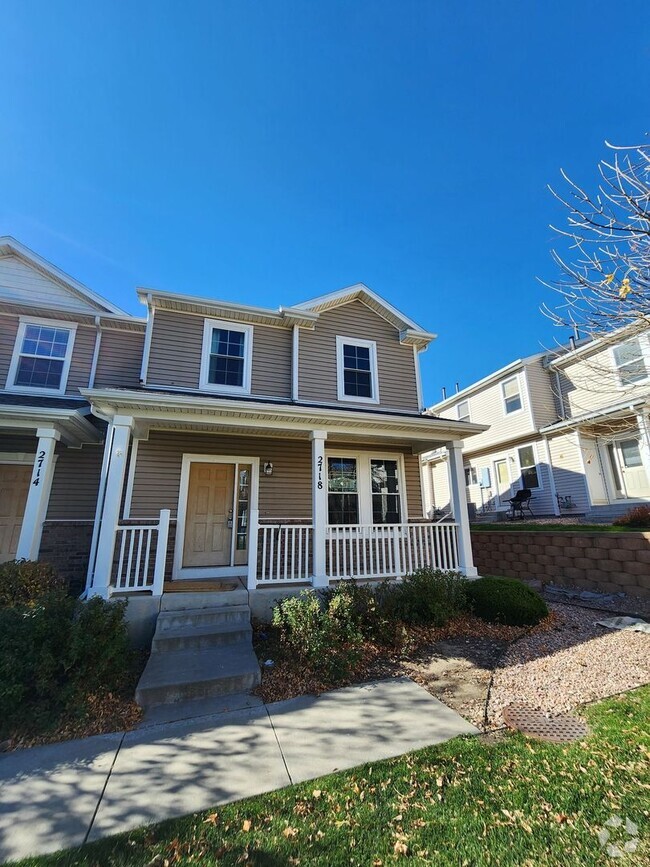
[
  {"x": 14, "y": 484},
  {"x": 208, "y": 521}
]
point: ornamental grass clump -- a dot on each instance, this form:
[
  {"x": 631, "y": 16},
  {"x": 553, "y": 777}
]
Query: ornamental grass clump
[
  {"x": 507, "y": 601},
  {"x": 638, "y": 517}
]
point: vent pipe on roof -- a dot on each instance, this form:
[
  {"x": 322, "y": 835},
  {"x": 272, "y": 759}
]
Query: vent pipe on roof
[
  {"x": 576, "y": 332},
  {"x": 572, "y": 343},
  {"x": 457, "y": 388},
  {"x": 444, "y": 393}
]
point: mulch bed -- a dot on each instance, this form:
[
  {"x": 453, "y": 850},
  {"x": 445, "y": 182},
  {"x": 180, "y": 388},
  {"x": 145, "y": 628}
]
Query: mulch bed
[{"x": 287, "y": 678}]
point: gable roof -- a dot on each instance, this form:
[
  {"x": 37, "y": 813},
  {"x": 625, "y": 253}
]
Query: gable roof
[
  {"x": 86, "y": 297},
  {"x": 410, "y": 332}
]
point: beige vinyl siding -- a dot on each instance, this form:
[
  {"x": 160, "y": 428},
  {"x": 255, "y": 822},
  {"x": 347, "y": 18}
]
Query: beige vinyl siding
[
  {"x": 8, "y": 332},
  {"x": 593, "y": 383},
  {"x": 440, "y": 493},
  {"x": 120, "y": 359},
  {"x": 395, "y": 363},
  {"x": 177, "y": 343},
  {"x": 541, "y": 392},
  {"x": 487, "y": 407},
  {"x": 82, "y": 360},
  {"x": 567, "y": 469},
  {"x": 21, "y": 283},
  {"x": 286, "y": 495},
  {"x": 75, "y": 483}
]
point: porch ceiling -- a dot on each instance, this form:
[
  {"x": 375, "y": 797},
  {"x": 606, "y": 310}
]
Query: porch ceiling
[{"x": 187, "y": 412}]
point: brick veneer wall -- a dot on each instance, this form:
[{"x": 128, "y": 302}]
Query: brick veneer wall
[
  {"x": 66, "y": 545},
  {"x": 606, "y": 562}
]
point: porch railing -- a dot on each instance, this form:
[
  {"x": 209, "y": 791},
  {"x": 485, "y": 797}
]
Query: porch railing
[
  {"x": 141, "y": 553},
  {"x": 390, "y": 550},
  {"x": 285, "y": 553}
]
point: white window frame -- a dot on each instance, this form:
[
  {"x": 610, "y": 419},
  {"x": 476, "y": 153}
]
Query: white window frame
[
  {"x": 374, "y": 376},
  {"x": 506, "y": 412},
  {"x": 642, "y": 340},
  {"x": 533, "y": 446},
  {"x": 466, "y": 417},
  {"x": 247, "y": 330},
  {"x": 364, "y": 482},
  {"x": 61, "y": 324},
  {"x": 473, "y": 475}
]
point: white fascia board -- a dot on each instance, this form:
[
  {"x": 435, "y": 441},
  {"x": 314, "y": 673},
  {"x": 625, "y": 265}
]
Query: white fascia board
[
  {"x": 107, "y": 401},
  {"x": 73, "y": 424},
  {"x": 595, "y": 344},
  {"x": 490, "y": 379},
  {"x": 359, "y": 290},
  {"x": 287, "y": 316},
  {"x": 11, "y": 245},
  {"x": 604, "y": 412}
]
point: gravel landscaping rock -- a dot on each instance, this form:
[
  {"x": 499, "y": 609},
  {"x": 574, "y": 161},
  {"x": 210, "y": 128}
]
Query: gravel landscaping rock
[{"x": 573, "y": 663}]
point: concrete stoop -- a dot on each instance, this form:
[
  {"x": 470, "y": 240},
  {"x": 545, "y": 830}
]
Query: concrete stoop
[{"x": 202, "y": 648}]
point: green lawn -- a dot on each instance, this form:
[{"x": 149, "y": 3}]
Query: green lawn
[
  {"x": 467, "y": 802},
  {"x": 552, "y": 528}
]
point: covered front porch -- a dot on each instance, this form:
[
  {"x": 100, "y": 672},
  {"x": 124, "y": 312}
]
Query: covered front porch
[{"x": 197, "y": 488}]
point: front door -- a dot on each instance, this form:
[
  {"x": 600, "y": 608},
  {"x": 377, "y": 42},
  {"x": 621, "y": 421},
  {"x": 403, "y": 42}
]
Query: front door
[
  {"x": 503, "y": 482},
  {"x": 14, "y": 485},
  {"x": 209, "y": 516},
  {"x": 632, "y": 480}
]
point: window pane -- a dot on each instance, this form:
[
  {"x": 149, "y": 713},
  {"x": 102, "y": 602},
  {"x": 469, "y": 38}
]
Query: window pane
[
  {"x": 357, "y": 375},
  {"x": 529, "y": 477},
  {"x": 513, "y": 404},
  {"x": 386, "y": 509},
  {"x": 635, "y": 371},
  {"x": 45, "y": 342},
  {"x": 526, "y": 456},
  {"x": 343, "y": 508},
  {"x": 463, "y": 411},
  {"x": 357, "y": 383},
  {"x": 224, "y": 370},
  {"x": 629, "y": 351},
  {"x": 228, "y": 342},
  {"x": 341, "y": 474},
  {"x": 511, "y": 388},
  {"x": 39, "y": 372},
  {"x": 384, "y": 481},
  {"x": 630, "y": 453}
]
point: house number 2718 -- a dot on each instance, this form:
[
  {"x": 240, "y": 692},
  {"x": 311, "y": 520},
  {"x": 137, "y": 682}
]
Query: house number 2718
[{"x": 320, "y": 473}]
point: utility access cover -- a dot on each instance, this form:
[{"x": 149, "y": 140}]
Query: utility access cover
[{"x": 537, "y": 724}]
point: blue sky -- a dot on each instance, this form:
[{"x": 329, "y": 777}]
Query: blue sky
[{"x": 268, "y": 152}]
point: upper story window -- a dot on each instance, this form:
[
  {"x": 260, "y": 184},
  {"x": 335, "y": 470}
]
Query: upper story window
[
  {"x": 528, "y": 467},
  {"x": 357, "y": 370},
  {"x": 511, "y": 395},
  {"x": 42, "y": 355},
  {"x": 226, "y": 358},
  {"x": 630, "y": 363},
  {"x": 463, "y": 411}
]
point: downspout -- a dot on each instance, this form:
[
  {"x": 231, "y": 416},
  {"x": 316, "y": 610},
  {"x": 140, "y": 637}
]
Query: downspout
[
  {"x": 559, "y": 394},
  {"x": 295, "y": 364},
  {"x": 101, "y": 496},
  {"x": 147, "y": 341},
  {"x": 98, "y": 343},
  {"x": 551, "y": 477}
]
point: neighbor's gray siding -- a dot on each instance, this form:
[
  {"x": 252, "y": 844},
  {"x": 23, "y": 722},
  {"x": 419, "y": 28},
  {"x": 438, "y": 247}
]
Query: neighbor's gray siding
[
  {"x": 395, "y": 362},
  {"x": 75, "y": 483},
  {"x": 540, "y": 389}
]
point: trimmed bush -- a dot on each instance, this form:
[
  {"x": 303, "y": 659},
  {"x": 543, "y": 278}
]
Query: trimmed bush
[
  {"x": 55, "y": 655},
  {"x": 639, "y": 517},
  {"x": 507, "y": 601},
  {"x": 428, "y": 597},
  {"x": 24, "y": 582},
  {"x": 322, "y": 633}
]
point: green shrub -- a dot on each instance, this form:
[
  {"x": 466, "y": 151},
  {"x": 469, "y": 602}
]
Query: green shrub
[
  {"x": 56, "y": 653},
  {"x": 639, "y": 517},
  {"x": 505, "y": 600},
  {"x": 428, "y": 597},
  {"x": 368, "y": 609},
  {"x": 321, "y": 633},
  {"x": 24, "y": 582}
]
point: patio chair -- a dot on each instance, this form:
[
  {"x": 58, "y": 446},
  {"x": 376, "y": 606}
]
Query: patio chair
[{"x": 519, "y": 504}]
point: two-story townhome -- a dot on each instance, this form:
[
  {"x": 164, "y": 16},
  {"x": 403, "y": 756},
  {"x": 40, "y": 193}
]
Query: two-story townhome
[
  {"x": 571, "y": 425},
  {"x": 56, "y": 337},
  {"x": 214, "y": 440}
]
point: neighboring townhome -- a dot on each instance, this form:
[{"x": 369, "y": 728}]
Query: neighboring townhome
[
  {"x": 216, "y": 440},
  {"x": 571, "y": 426},
  {"x": 56, "y": 337}
]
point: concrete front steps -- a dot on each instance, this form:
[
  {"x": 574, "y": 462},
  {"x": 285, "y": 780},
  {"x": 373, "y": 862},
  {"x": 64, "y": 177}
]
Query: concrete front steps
[{"x": 202, "y": 648}]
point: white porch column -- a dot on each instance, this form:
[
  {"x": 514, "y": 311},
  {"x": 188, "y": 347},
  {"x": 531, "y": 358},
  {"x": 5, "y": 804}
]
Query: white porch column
[
  {"x": 118, "y": 437},
  {"x": 38, "y": 496},
  {"x": 459, "y": 505},
  {"x": 644, "y": 441},
  {"x": 319, "y": 506}
]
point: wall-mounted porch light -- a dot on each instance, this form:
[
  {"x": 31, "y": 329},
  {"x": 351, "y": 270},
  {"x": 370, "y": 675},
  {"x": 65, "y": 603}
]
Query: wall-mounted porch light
[{"x": 268, "y": 468}]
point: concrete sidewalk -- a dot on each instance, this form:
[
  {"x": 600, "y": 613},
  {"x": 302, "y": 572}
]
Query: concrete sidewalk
[{"x": 59, "y": 796}]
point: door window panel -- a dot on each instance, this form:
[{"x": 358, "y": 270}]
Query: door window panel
[
  {"x": 386, "y": 501},
  {"x": 342, "y": 491}
]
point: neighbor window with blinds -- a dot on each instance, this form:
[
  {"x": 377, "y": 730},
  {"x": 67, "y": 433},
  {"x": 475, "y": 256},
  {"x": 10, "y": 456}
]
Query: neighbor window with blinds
[
  {"x": 630, "y": 363},
  {"x": 42, "y": 356},
  {"x": 463, "y": 411},
  {"x": 511, "y": 395},
  {"x": 356, "y": 371},
  {"x": 226, "y": 359},
  {"x": 363, "y": 489}
]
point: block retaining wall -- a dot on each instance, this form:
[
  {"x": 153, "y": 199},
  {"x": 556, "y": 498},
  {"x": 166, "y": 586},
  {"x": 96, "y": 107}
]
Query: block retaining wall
[{"x": 605, "y": 562}]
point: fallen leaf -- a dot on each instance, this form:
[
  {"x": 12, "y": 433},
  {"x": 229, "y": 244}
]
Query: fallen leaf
[
  {"x": 247, "y": 825},
  {"x": 400, "y": 848},
  {"x": 289, "y": 833},
  {"x": 317, "y": 793}
]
